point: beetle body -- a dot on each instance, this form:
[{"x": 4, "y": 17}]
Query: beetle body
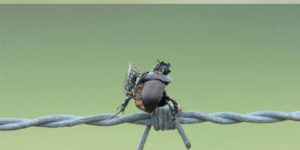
[
  {"x": 149, "y": 91},
  {"x": 147, "y": 96}
]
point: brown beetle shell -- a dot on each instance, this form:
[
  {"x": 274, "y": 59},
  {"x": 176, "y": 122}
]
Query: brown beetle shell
[{"x": 137, "y": 96}]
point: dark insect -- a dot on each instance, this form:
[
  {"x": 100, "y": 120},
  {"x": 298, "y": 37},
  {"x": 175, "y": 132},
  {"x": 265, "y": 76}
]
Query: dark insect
[{"x": 149, "y": 91}]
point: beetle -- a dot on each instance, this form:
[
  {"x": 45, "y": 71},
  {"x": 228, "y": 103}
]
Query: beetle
[{"x": 148, "y": 89}]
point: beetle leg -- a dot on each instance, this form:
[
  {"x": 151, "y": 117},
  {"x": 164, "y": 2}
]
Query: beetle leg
[
  {"x": 173, "y": 112},
  {"x": 175, "y": 104},
  {"x": 165, "y": 96},
  {"x": 164, "y": 101},
  {"x": 122, "y": 107}
]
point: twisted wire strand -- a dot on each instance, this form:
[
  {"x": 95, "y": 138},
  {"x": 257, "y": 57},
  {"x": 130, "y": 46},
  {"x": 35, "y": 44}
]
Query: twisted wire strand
[{"x": 188, "y": 117}]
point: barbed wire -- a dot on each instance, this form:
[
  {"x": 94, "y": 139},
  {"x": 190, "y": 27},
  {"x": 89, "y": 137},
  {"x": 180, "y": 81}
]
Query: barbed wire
[
  {"x": 188, "y": 117},
  {"x": 161, "y": 120}
]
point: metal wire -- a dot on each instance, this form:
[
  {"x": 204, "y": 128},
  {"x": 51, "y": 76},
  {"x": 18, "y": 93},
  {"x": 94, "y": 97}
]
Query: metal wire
[
  {"x": 161, "y": 120},
  {"x": 188, "y": 117}
]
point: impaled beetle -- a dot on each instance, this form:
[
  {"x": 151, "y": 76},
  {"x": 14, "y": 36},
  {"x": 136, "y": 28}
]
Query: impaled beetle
[{"x": 149, "y": 91}]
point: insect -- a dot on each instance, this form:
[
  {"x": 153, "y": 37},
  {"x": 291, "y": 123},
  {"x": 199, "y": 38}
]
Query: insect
[{"x": 148, "y": 89}]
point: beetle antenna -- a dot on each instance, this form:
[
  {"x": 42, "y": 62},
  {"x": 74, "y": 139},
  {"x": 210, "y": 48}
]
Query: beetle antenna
[{"x": 158, "y": 61}]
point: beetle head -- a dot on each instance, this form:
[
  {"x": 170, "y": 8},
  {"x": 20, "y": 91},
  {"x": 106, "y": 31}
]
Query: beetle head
[{"x": 162, "y": 68}]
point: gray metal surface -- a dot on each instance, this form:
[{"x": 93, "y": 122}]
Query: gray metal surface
[{"x": 188, "y": 117}]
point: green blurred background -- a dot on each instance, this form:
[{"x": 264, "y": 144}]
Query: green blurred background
[{"x": 72, "y": 59}]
